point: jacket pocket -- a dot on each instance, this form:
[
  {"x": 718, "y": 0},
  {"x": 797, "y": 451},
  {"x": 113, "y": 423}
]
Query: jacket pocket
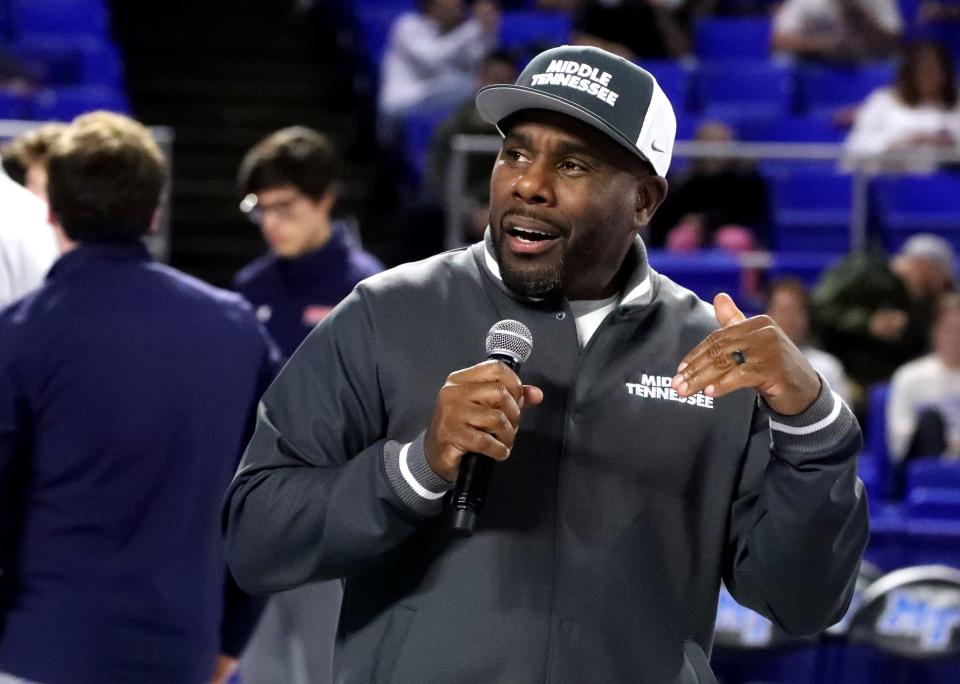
[
  {"x": 696, "y": 668},
  {"x": 394, "y": 636}
]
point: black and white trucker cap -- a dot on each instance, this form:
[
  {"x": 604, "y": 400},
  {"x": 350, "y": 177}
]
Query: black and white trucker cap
[{"x": 597, "y": 87}]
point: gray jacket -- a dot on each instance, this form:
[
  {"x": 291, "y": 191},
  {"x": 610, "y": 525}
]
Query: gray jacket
[{"x": 605, "y": 534}]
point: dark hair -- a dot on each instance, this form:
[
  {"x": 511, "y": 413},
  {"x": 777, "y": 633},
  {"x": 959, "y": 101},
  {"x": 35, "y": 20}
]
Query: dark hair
[
  {"x": 296, "y": 156},
  {"x": 105, "y": 174},
  {"x": 791, "y": 285},
  {"x": 905, "y": 83}
]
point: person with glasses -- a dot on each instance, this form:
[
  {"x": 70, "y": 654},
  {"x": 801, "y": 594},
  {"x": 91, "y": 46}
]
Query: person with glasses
[{"x": 289, "y": 188}]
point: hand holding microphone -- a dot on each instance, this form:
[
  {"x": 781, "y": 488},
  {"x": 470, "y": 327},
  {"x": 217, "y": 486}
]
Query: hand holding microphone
[{"x": 477, "y": 415}]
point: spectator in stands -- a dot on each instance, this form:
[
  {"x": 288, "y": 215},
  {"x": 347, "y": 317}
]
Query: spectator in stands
[
  {"x": 714, "y": 195},
  {"x": 432, "y": 55},
  {"x": 788, "y": 304},
  {"x": 289, "y": 185},
  {"x": 923, "y": 407},
  {"x": 497, "y": 67},
  {"x": 126, "y": 392},
  {"x": 874, "y": 314},
  {"x": 27, "y": 244},
  {"x": 25, "y": 157},
  {"x": 634, "y": 29},
  {"x": 920, "y": 111},
  {"x": 838, "y": 30}
]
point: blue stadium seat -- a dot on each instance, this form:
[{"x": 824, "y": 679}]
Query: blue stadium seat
[
  {"x": 373, "y": 24},
  {"x": 933, "y": 471},
  {"x": 15, "y": 106},
  {"x": 806, "y": 266},
  {"x": 727, "y": 38},
  {"x": 906, "y": 205},
  {"x": 530, "y": 31},
  {"x": 60, "y": 17},
  {"x": 418, "y": 129},
  {"x": 63, "y": 104},
  {"x": 676, "y": 79},
  {"x": 934, "y": 502},
  {"x": 811, "y": 211},
  {"x": 737, "y": 89},
  {"x": 83, "y": 60},
  {"x": 875, "y": 439},
  {"x": 821, "y": 90},
  {"x": 706, "y": 272},
  {"x": 800, "y": 129}
]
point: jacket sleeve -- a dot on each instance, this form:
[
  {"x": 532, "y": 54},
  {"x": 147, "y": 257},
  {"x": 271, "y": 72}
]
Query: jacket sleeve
[
  {"x": 311, "y": 499},
  {"x": 799, "y": 522}
]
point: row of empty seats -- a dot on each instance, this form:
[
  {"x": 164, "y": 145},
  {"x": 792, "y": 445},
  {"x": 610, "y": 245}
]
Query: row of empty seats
[{"x": 65, "y": 47}]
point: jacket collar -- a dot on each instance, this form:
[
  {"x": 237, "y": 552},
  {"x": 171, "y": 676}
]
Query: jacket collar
[
  {"x": 637, "y": 293},
  {"x": 90, "y": 254}
]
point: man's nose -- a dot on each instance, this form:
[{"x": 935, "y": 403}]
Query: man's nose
[{"x": 534, "y": 185}]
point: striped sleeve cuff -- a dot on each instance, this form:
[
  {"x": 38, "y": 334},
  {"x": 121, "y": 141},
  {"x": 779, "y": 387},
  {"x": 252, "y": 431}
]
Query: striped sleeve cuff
[
  {"x": 824, "y": 426},
  {"x": 412, "y": 478}
]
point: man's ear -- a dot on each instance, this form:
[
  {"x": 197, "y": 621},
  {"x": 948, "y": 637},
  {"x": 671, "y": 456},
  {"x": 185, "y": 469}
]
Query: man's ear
[
  {"x": 651, "y": 191},
  {"x": 329, "y": 197},
  {"x": 154, "y": 222}
]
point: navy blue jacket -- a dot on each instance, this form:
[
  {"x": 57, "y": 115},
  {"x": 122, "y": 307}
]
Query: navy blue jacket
[
  {"x": 293, "y": 295},
  {"x": 127, "y": 390}
]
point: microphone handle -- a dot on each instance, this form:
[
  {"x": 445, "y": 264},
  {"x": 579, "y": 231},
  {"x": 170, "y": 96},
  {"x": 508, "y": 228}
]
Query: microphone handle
[{"x": 470, "y": 492}]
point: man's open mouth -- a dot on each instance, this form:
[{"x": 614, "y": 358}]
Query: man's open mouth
[{"x": 530, "y": 234}]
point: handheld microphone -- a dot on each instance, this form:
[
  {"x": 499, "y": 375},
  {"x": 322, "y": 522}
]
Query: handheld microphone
[{"x": 508, "y": 341}]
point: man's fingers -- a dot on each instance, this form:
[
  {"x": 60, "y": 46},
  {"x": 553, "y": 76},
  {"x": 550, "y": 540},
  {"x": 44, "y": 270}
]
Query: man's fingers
[
  {"x": 532, "y": 395},
  {"x": 492, "y": 371},
  {"x": 697, "y": 378},
  {"x": 726, "y": 310},
  {"x": 726, "y": 339}
]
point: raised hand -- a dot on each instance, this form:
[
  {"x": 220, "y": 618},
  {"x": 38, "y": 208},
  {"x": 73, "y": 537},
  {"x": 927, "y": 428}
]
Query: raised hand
[{"x": 749, "y": 352}]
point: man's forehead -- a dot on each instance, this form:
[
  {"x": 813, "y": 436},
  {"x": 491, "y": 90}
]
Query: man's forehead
[
  {"x": 531, "y": 119},
  {"x": 570, "y": 132}
]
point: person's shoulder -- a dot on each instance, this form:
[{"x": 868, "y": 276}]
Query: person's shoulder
[
  {"x": 918, "y": 370},
  {"x": 420, "y": 277},
  {"x": 364, "y": 264},
  {"x": 254, "y": 271},
  {"x": 408, "y": 23},
  {"x": 819, "y": 357},
  {"x": 202, "y": 293},
  {"x": 883, "y": 97},
  {"x": 684, "y": 305}
]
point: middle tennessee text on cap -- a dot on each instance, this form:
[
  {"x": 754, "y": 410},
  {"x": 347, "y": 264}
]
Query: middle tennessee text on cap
[{"x": 582, "y": 77}]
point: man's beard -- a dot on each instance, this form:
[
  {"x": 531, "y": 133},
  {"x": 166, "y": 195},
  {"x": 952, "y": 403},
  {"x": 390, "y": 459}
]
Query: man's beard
[{"x": 540, "y": 282}]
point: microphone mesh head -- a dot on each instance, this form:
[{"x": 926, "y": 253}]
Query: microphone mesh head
[{"x": 510, "y": 338}]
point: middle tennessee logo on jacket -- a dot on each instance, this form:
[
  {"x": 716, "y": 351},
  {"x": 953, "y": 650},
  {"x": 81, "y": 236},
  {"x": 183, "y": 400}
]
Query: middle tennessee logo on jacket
[{"x": 658, "y": 387}]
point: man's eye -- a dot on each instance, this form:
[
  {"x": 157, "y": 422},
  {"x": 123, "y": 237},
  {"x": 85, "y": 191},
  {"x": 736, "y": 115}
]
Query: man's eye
[
  {"x": 570, "y": 165},
  {"x": 514, "y": 155}
]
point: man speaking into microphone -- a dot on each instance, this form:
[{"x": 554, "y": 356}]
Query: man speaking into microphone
[{"x": 650, "y": 445}]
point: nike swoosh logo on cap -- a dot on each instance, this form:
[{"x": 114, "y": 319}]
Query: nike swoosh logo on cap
[{"x": 653, "y": 146}]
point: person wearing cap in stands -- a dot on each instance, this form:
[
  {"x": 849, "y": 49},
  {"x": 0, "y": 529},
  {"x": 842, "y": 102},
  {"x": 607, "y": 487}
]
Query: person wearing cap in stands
[
  {"x": 874, "y": 312},
  {"x": 654, "y": 445}
]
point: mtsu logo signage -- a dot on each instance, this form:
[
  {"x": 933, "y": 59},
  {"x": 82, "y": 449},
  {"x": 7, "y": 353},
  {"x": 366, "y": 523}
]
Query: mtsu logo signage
[{"x": 914, "y": 612}]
